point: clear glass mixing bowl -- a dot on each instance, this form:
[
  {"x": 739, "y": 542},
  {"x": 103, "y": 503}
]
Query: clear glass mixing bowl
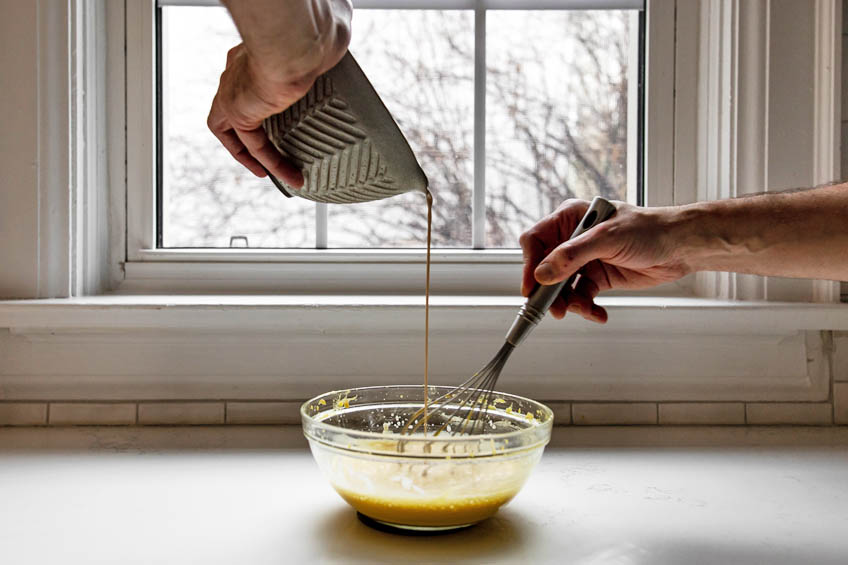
[{"x": 423, "y": 482}]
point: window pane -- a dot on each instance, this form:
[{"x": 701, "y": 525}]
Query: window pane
[
  {"x": 207, "y": 196},
  {"x": 556, "y": 114},
  {"x": 422, "y": 65}
]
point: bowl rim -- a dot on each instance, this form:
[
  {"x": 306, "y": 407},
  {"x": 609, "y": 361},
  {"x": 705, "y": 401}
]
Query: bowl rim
[{"x": 544, "y": 427}]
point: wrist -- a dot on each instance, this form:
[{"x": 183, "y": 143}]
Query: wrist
[
  {"x": 703, "y": 236},
  {"x": 297, "y": 58},
  {"x": 281, "y": 64},
  {"x": 278, "y": 84},
  {"x": 290, "y": 41}
]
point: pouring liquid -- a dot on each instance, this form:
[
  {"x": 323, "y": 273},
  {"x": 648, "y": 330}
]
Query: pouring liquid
[{"x": 427, "y": 307}]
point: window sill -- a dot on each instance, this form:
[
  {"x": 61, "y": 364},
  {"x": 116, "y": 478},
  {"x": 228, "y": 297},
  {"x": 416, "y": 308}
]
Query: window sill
[
  {"x": 380, "y": 313},
  {"x": 334, "y": 272},
  {"x": 292, "y": 347},
  {"x": 345, "y": 255}
]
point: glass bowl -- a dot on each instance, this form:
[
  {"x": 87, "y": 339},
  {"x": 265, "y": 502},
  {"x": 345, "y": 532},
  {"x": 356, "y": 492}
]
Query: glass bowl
[{"x": 429, "y": 481}]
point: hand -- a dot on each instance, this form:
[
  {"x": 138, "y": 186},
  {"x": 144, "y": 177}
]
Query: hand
[
  {"x": 633, "y": 249},
  {"x": 276, "y": 72}
]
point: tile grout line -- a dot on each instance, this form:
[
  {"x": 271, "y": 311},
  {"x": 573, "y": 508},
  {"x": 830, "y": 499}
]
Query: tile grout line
[
  {"x": 831, "y": 353},
  {"x": 747, "y": 405},
  {"x": 301, "y": 401}
]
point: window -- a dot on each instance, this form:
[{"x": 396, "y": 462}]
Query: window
[
  {"x": 70, "y": 223},
  {"x": 510, "y": 109}
]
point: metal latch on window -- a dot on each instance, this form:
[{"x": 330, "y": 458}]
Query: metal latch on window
[{"x": 235, "y": 239}]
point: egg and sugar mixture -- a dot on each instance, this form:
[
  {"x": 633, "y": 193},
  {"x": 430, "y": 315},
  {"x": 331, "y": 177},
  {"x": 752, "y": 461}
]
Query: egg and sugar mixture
[
  {"x": 428, "y": 481},
  {"x": 431, "y": 493}
]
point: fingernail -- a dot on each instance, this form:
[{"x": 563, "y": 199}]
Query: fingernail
[
  {"x": 598, "y": 314},
  {"x": 544, "y": 272},
  {"x": 574, "y": 308}
]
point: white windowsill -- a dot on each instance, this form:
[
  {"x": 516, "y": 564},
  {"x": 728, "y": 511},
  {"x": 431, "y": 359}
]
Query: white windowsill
[
  {"x": 348, "y": 255},
  {"x": 389, "y": 313},
  {"x": 291, "y": 347}
]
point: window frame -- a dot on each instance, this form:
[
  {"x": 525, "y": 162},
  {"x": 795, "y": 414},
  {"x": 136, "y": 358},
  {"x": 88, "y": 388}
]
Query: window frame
[
  {"x": 694, "y": 72},
  {"x": 149, "y": 267},
  {"x": 89, "y": 343}
]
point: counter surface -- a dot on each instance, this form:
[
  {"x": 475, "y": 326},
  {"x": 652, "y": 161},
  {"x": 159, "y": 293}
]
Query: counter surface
[{"x": 188, "y": 495}]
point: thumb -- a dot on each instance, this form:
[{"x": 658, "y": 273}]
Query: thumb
[{"x": 570, "y": 256}]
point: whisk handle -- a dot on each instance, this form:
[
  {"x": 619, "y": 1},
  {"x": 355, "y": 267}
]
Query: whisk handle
[{"x": 543, "y": 296}]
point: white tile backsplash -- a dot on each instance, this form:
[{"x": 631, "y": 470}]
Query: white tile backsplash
[
  {"x": 180, "y": 413},
  {"x": 91, "y": 414},
  {"x": 796, "y": 413},
  {"x": 23, "y": 414},
  {"x": 263, "y": 412},
  {"x": 702, "y": 413},
  {"x": 609, "y": 413},
  {"x": 565, "y": 413},
  {"x": 562, "y": 412},
  {"x": 840, "y": 403}
]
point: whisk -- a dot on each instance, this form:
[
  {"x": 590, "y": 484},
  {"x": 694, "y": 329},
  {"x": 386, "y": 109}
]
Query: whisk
[{"x": 462, "y": 410}]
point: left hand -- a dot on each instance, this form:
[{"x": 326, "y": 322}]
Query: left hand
[
  {"x": 244, "y": 99},
  {"x": 274, "y": 68}
]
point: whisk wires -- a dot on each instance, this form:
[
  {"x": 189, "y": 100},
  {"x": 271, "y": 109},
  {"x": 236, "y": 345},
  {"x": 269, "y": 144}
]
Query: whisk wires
[{"x": 474, "y": 397}]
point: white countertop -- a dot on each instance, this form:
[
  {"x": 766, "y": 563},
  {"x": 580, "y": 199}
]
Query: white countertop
[{"x": 254, "y": 496}]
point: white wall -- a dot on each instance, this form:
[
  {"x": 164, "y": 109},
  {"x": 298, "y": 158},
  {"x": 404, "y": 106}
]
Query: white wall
[
  {"x": 18, "y": 148},
  {"x": 35, "y": 147}
]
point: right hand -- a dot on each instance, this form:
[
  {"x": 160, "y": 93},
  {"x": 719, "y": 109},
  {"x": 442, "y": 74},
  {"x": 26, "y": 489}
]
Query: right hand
[{"x": 633, "y": 249}]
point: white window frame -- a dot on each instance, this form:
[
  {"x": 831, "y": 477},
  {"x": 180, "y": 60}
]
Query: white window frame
[
  {"x": 714, "y": 153},
  {"x": 393, "y": 271},
  {"x": 705, "y": 140}
]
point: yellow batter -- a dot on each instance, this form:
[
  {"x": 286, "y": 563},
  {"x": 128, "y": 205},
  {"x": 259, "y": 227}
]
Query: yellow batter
[
  {"x": 457, "y": 489},
  {"x": 428, "y": 512}
]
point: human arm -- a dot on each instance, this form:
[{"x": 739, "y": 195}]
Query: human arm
[
  {"x": 286, "y": 45},
  {"x": 790, "y": 234}
]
